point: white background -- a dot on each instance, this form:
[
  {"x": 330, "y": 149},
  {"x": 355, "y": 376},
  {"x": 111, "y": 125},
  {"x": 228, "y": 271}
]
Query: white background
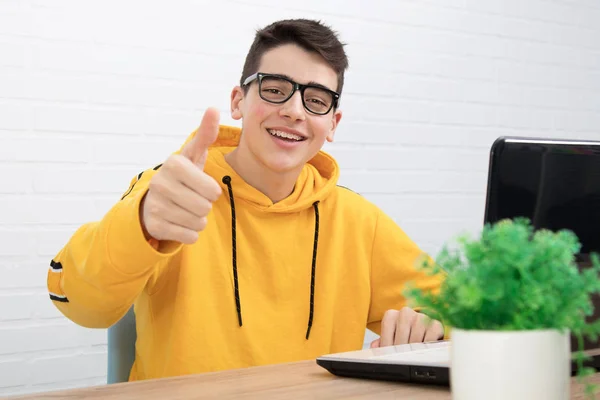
[{"x": 93, "y": 92}]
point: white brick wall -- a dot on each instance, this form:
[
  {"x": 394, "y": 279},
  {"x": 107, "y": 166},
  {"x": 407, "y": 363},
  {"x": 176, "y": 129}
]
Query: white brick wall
[{"x": 93, "y": 92}]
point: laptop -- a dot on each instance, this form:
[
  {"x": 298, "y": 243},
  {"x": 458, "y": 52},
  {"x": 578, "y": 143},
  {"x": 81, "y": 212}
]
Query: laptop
[{"x": 556, "y": 184}]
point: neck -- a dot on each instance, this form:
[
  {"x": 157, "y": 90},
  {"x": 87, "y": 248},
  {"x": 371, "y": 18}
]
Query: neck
[{"x": 275, "y": 185}]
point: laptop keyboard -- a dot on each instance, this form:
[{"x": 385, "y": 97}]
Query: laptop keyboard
[{"x": 434, "y": 355}]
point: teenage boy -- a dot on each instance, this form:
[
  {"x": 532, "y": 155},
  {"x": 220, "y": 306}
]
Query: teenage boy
[{"x": 240, "y": 249}]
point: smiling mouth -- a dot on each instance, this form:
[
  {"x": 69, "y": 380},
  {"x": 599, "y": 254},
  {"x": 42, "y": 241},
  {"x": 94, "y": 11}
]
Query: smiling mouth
[{"x": 290, "y": 137}]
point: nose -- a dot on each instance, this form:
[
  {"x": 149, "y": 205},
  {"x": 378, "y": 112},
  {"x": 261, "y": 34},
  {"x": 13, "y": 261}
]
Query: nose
[{"x": 293, "y": 108}]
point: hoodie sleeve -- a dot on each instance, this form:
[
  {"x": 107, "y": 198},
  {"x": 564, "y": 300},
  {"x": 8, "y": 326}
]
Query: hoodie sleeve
[
  {"x": 105, "y": 265},
  {"x": 393, "y": 265}
]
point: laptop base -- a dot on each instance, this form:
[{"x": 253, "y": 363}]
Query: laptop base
[{"x": 388, "y": 372}]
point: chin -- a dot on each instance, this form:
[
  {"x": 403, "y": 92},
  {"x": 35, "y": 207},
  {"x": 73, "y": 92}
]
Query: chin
[{"x": 283, "y": 166}]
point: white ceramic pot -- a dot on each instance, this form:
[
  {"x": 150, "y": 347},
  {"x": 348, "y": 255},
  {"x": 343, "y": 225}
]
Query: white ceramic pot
[{"x": 511, "y": 365}]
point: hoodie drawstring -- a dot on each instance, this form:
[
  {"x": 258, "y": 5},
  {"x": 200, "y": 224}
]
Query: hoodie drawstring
[
  {"x": 314, "y": 268},
  {"x": 227, "y": 181}
]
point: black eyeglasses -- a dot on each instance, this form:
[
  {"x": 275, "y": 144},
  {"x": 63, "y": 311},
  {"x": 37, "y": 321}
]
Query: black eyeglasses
[{"x": 278, "y": 89}]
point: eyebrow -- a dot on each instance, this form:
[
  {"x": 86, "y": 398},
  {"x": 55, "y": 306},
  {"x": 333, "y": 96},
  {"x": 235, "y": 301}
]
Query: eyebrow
[{"x": 311, "y": 83}]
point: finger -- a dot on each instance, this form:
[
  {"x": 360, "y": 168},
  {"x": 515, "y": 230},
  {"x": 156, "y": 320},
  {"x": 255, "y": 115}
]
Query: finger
[
  {"x": 417, "y": 330},
  {"x": 375, "y": 343},
  {"x": 180, "y": 169},
  {"x": 403, "y": 325},
  {"x": 206, "y": 134},
  {"x": 203, "y": 184},
  {"x": 180, "y": 196},
  {"x": 164, "y": 230},
  {"x": 434, "y": 332},
  {"x": 175, "y": 214},
  {"x": 388, "y": 328}
]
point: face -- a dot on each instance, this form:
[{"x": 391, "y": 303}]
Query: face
[{"x": 283, "y": 137}]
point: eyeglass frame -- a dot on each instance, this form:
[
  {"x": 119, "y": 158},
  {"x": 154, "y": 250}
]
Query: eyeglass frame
[{"x": 259, "y": 76}]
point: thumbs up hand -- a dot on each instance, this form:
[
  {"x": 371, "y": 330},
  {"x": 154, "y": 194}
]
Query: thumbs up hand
[{"x": 180, "y": 194}]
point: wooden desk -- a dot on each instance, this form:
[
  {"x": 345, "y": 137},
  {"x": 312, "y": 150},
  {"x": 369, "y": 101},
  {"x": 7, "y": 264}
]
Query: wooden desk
[{"x": 302, "y": 380}]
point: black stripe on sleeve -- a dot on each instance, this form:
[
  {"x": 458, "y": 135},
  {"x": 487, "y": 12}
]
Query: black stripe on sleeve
[
  {"x": 61, "y": 299},
  {"x": 56, "y": 266},
  {"x": 138, "y": 179}
]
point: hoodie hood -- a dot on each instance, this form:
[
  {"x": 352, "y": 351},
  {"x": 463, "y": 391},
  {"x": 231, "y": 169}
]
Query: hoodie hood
[{"x": 316, "y": 182}]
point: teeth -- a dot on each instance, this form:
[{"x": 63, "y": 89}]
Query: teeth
[{"x": 285, "y": 135}]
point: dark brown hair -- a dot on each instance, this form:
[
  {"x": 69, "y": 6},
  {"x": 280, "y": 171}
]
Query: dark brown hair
[{"x": 312, "y": 36}]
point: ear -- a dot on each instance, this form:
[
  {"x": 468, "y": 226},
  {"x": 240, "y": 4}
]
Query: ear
[
  {"x": 335, "y": 120},
  {"x": 237, "y": 100}
]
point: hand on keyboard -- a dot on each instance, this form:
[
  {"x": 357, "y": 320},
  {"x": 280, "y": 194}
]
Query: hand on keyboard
[{"x": 407, "y": 326}]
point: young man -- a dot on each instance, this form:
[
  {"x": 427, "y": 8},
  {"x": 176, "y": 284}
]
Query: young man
[{"x": 240, "y": 250}]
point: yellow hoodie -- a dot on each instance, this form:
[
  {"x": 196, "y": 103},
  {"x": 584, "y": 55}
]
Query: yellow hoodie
[{"x": 265, "y": 283}]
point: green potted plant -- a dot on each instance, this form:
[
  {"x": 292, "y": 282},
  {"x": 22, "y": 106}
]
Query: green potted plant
[{"x": 512, "y": 297}]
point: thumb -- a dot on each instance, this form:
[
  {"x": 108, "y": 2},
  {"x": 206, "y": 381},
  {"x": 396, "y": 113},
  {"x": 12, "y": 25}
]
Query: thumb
[{"x": 196, "y": 149}]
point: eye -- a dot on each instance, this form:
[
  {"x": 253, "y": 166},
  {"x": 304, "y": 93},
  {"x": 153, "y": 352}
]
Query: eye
[
  {"x": 318, "y": 102},
  {"x": 274, "y": 92}
]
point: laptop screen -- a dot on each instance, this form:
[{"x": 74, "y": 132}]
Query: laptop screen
[{"x": 556, "y": 184}]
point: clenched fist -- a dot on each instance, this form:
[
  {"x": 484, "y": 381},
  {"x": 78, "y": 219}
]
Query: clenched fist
[{"x": 180, "y": 194}]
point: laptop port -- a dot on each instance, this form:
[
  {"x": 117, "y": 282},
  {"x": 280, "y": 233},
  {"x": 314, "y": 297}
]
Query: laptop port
[
  {"x": 419, "y": 373},
  {"x": 430, "y": 374}
]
